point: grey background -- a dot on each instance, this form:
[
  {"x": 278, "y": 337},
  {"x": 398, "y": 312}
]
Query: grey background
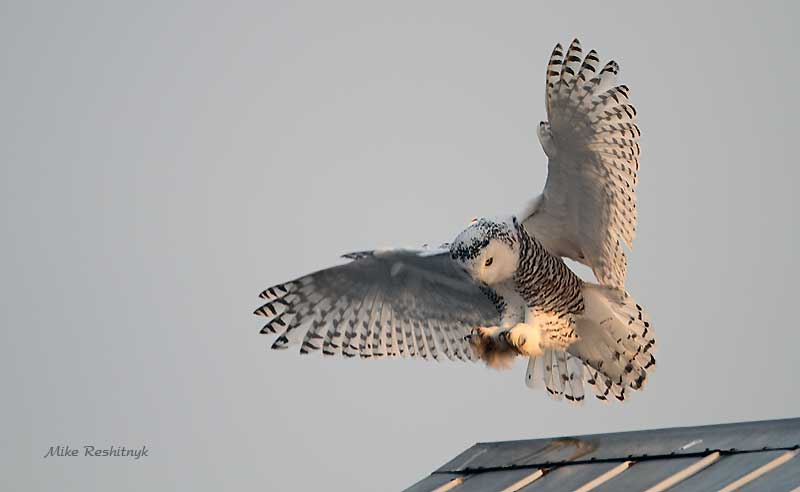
[{"x": 162, "y": 163}]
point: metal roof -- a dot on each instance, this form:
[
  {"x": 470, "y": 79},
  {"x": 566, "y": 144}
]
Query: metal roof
[{"x": 747, "y": 456}]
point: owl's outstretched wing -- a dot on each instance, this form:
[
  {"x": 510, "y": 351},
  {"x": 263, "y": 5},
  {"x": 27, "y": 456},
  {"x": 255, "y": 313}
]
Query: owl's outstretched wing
[
  {"x": 381, "y": 304},
  {"x": 592, "y": 142}
]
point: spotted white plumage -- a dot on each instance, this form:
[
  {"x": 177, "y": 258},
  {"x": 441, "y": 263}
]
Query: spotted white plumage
[{"x": 501, "y": 289}]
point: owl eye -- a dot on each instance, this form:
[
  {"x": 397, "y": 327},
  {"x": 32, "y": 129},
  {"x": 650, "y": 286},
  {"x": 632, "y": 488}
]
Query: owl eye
[{"x": 489, "y": 261}]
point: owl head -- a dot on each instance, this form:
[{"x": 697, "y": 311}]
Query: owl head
[{"x": 488, "y": 249}]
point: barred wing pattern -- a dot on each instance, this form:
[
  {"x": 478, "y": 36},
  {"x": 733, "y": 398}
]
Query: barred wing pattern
[
  {"x": 381, "y": 304},
  {"x": 592, "y": 142}
]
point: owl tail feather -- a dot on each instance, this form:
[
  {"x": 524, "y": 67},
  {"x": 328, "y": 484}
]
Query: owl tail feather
[{"x": 613, "y": 354}]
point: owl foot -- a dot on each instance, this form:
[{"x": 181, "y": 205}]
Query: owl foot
[
  {"x": 526, "y": 339},
  {"x": 491, "y": 345}
]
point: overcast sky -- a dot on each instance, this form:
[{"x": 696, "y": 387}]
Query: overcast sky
[{"x": 161, "y": 164}]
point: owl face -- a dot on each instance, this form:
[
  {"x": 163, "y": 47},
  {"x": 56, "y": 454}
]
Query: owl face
[{"x": 488, "y": 250}]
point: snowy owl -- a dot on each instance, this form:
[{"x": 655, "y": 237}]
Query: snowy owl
[{"x": 500, "y": 289}]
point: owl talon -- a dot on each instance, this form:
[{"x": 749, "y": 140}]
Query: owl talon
[
  {"x": 515, "y": 344},
  {"x": 492, "y": 345}
]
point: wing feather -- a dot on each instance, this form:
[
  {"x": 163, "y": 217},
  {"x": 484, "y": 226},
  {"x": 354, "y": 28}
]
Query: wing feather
[
  {"x": 588, "y": 207},
  {"x": 381, "y": 304}
]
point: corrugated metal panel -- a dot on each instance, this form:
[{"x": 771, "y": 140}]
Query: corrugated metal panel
[
  {"x": 570, "y": 477},
  {"x": 750, "y": 436},
  {"x": 641, "y": 476},
  {"x": 433, "y": 482},
  {"x": 785, "y": 477},
  {"x": 495, "y": 481},
  {"x": 725, "y": 458},
  {"x": 726, "y": 471}
]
